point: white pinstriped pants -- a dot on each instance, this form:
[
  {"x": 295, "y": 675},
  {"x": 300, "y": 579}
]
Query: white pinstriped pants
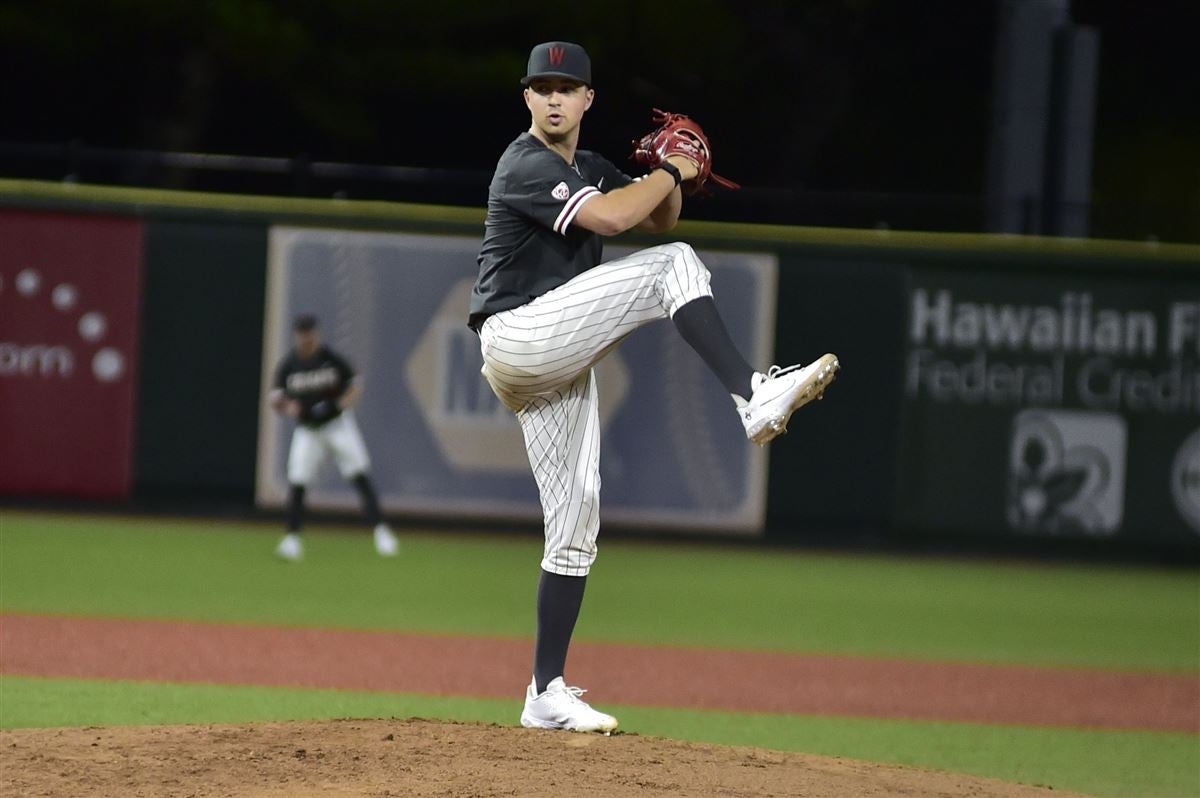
[
  {"x": 538, "y": 359},
  {"x": 340, "y": 436}
]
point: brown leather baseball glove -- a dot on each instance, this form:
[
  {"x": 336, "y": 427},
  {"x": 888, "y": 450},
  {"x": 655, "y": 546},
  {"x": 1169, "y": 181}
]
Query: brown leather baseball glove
[{"x": 679, "y": 134}]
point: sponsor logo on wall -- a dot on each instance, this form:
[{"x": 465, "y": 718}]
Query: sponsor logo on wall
[
  {"x": 471, "y": 427},
  {"x": 1072, "y": 351},
  {"x": 69, "y": 298},
  {"x": 1082, "y": 385},
  {"x": 1185, "y": 480},
  {"x": 80, "y": 339},
  {"x": 1067, "y": 472}
]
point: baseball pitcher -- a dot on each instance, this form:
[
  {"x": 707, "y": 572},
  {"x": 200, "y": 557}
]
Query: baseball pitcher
[{"x": 547, "y": 308}]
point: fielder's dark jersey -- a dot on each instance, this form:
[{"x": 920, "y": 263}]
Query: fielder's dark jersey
[
  {"x": 315, "y": 382},
  {"x": 529, "y": 245}
]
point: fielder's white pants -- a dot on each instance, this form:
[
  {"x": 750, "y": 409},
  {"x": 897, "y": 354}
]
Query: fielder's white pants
[
  {"x": 310, "y": 445},
  {"x": 538, "y": 359}
]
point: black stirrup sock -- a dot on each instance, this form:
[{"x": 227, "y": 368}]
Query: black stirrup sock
[
  {"x": 362, "y": 483},
  {"x": 295, "y": 512},
  {"x": 701, "y": 326},
  {"x": 558, "y": 601}
]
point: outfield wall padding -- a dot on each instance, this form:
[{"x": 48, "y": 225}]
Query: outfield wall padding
[
  {"x": 202, "y": 312},
  {"x": 975, "y": 401}
]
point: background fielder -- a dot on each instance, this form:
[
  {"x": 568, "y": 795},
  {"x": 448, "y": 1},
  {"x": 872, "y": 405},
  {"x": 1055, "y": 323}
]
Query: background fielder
[
  {"x": 546, "y": 310},
  {"x": 317, "y": 387}
]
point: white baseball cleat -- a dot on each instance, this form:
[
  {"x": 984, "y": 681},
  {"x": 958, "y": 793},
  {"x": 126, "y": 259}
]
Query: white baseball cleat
[
  {"x": 780, "y": 392},
  {"x": 386, "y": 542},
  {"x": 561, "y": 708},
  {"x": 291, "y": 548}
]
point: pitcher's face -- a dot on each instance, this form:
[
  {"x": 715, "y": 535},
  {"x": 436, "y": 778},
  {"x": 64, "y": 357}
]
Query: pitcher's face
[{"x": 557, "y": 105}]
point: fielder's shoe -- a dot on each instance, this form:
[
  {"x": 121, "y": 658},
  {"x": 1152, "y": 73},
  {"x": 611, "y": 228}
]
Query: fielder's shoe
[
  {"x": 291, "y": 548},
  {"x": 780, "y": 392},
  {"x": 386, "y": 542},
  {"x": 561, "y": 708}
]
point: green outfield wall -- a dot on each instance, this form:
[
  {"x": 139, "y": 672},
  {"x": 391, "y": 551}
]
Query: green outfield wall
[
  {"x": 993, "y": 386},
  {"x": 202, "y": 315}
]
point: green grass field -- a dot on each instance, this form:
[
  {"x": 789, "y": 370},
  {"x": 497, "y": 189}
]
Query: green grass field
[{"x": 727, "y": 596}]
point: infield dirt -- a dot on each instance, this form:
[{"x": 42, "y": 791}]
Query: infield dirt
[{"x": 426, "y": 758}]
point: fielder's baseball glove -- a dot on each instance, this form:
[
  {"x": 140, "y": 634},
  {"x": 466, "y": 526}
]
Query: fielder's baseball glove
[
  {"x": 322, "y": 411},
  {"x": 678, "y": 134}
]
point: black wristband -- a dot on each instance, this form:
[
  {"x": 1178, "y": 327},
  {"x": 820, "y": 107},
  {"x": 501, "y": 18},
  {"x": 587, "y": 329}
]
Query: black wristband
[{"x": 673, "y": 171}]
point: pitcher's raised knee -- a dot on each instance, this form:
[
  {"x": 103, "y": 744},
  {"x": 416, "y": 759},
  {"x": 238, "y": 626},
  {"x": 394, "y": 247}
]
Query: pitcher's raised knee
[{"x": 686, "y": 277}]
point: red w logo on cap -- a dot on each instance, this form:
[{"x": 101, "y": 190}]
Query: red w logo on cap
[{"x": 556, "y": 56}]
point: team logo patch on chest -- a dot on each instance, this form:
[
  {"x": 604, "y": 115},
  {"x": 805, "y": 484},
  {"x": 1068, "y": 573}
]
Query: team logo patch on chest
[{"x": 561, "y": 191}]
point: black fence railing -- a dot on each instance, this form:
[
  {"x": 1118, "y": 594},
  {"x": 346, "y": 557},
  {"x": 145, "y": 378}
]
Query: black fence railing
[{"x": 300, "y": 176}]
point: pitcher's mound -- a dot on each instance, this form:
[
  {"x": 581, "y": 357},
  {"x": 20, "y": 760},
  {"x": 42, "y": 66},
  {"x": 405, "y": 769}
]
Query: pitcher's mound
[{"x": 427, "y": 758}]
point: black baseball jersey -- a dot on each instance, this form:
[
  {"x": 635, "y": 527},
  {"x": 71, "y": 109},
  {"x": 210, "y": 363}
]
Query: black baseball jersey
[
  {"x": 316, "y": 382},
  {"x": 529, "y": 245}
]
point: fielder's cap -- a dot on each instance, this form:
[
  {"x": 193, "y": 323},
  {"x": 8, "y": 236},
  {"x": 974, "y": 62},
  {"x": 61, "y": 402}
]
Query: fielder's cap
[
  {"x": 305, "y": 322},
  {"x": 559, "y": 60}
]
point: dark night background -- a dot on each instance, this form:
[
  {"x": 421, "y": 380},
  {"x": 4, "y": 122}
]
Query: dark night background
[{"x": 831, "y": 111}]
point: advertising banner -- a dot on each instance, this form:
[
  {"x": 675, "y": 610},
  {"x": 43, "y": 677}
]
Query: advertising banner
[
  {"x": 1052, "y": 404},
  {"x": 673, "y": 455},
  {"x": 69, "y": 302}
]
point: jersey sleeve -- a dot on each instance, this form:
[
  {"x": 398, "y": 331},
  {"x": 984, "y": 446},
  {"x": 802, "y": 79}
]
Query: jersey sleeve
[
  {"x": 542, "y": 187},
  {"x": 281, "y": 371},
  {"x": 613, "y": 177}
]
